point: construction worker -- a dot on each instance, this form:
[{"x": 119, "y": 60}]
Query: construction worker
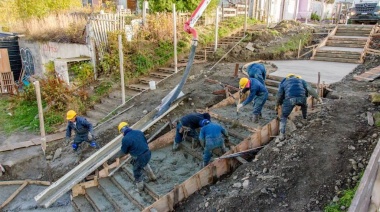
[
  {"x": 211, "y": 137},
  {"x": 293, "y": 91},
  {"x": 83, "y": 131},
  {"x": 258, "y": 93},
  {"x": 135, "y": 144},
  {"x": 257, "y": 71},
  {"x": 187, "y": 125}
]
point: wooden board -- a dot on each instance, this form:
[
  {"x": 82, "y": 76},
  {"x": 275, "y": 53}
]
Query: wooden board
[
  {"x": 363, "y": 194},
  {"x": 33, "y": 142},
  {"x": 4, "y": 61},
  {"x": 369, "y": 76}
]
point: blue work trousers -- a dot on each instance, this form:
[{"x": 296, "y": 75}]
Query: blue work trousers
[
  {"x": 211, "y": 144},
  {"x": 139, "y": 163},
  {"x": 179, "y": 136},
  {"x": 259, "y": 102},
  {"x": 287, "y": 107}
]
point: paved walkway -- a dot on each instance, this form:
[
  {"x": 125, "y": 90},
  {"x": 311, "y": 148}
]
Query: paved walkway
[{"x": 308, "y": 69}]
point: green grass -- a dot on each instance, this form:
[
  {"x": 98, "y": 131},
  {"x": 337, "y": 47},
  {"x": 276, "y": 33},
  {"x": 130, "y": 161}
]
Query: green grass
[{"x": 344, "y": 200}]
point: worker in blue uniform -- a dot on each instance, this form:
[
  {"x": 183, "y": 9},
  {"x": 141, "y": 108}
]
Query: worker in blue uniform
[{"x": 293, "y": 91}]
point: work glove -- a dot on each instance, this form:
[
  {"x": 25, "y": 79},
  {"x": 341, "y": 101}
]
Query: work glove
[
  {"x": 276, "y": 108},
  {"x": 320, "y": 100},
  {"x": 67, "y": 140},
  {"x": 239, "y": 106},
  {"x": 91, "y": 137}
]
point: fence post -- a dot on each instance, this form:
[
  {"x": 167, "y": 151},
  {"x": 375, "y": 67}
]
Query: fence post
[
  {"x": 40, "y": 115},
  {"x": 92, "y": 48},
  {"x": 145, "y": 4},
  {"x": 216, "y": 28},
  {"x": 175, "y": 38},
  {"x": 121, "y": 59},
  {"x": 245, "y": 16}
]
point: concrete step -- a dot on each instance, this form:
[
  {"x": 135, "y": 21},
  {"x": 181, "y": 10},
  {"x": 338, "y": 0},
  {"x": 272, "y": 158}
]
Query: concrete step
[
  {"x": 272, "y": 89},
  {"x": 356, "y": 28},
  {"x": 96, "y": 115},
  {"x": 104, "y": 107},
  {"x": 146, "y": 80},
  {"x": 352, "y": 45},
  {"x": 270, "y": 82},
  {"x": 340, "y": 55},
  {"x": 80, "y": 203},
  {"x": 160, "y": 75},
  {"x": 166, "y": 70},
  {"x": 111, "y": 101},
  {"x": 116, "y": 196},
  {"x": 126, "y": 185},
  {"x": 352, "y": 34},
  {"x": 358, "y": 42},
  {"x": 349, "y": 38},
  {"x": 98, "y": 200},
  {"x": 92, "y": 121},
  {"x": 341, "y": 60},
  {"x": 340, "y": 52},
  {"x": 138, "y": 87}
]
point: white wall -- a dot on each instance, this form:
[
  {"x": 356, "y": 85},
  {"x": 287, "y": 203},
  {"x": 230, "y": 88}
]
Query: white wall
[
  {"x": 317, "y": 7},
  {"x": 48, "y": 51}
]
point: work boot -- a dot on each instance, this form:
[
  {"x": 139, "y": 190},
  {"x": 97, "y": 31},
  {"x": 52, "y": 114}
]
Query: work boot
[
  {"x": 149, "y": 170},
  {"x": 255, "y": 118},
  {"x": 95, "y": 145},
  {"x": 281, "y": 137},
  {"x": 140, "y": 186},
  {"x": 175, "y": 146}
]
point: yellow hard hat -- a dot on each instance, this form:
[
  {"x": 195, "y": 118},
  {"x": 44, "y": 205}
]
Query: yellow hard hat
[
  {"x": 243, "y": 82},
  {"x": 291, "y": 74},
  {"x": 70, "y": 114},
  {"x": 121, "y": 125}
]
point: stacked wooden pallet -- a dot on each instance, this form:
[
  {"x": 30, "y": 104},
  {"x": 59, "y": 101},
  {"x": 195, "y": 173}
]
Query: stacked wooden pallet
[{"x": 7, "y": 83}]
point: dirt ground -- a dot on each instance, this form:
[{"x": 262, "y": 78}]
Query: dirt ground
[{"x": 314, "y": 164}]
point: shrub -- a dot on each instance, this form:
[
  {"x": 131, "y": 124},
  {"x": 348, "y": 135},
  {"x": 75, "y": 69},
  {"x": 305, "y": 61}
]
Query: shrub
[{"x": 315, "y": 17}]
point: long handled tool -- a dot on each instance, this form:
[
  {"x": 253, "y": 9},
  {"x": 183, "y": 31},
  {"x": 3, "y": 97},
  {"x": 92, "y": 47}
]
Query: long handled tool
[{"x": 238, "y": 154}]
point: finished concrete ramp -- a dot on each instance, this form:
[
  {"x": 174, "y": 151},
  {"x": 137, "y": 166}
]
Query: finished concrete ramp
[{"x": 308, "y": 69}]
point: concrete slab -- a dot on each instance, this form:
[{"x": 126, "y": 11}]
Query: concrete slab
[
  {"x": 343, "y": 49},
  {"x": 330, "y": 71}
]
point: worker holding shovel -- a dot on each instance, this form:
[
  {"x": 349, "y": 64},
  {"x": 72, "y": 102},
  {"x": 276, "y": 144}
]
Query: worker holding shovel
[
  {"x": 293, "y": 91},
  {"x": 258, "y": 93},
  {"x": 211, "y": 137},
  {"x": 83, "y": 131},
  {"x": 135, "y": 143}
]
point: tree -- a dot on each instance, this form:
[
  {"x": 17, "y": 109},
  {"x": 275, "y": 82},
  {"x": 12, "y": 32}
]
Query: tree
[{"x": 181, "y": 5}]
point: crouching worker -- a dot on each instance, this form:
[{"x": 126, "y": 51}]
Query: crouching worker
[
  {"x": 258, "y": 93},
  {"x": 211, "y": 138},
  {"x": 135, "y": 144},
  {"x": 187, "y": 125},
  {"x": 293, "y": 91},
  {"x": 83, "y": 131},
  {"x": 257, "y": 71}
]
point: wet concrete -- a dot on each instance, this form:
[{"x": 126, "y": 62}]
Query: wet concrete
[
  {"x": 308, "y": 69},
  {"x": 99, "y": 200},
  {"x": 121, "y": 179},
  {"x": 24, "y": 201},
  {"x": 82, "y": 203},
  {"x": 115, "y": 195},
  {"x": 245, "y": 115}
]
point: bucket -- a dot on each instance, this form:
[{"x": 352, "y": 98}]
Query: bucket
[{"x": 152, "y": 85}]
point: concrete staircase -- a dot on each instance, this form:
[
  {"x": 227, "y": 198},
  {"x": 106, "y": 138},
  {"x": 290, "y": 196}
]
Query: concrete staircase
[
  {"x": 346, "y": 43},
  {"x": 113, "y": 100}
]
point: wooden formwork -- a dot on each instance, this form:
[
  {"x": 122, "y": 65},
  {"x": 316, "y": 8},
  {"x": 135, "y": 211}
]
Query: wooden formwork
[{"x": 7, "y": 83}]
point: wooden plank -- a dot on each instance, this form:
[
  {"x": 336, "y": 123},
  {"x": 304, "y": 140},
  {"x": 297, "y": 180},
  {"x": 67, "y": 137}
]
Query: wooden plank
[
  {"x": 14, "y": 195},
  {"x": 19, "y": 182},
  {"x": 80, "y": 189},
  {"x": 362, "y": 197},
  {"x": 33, "y": 142}
]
